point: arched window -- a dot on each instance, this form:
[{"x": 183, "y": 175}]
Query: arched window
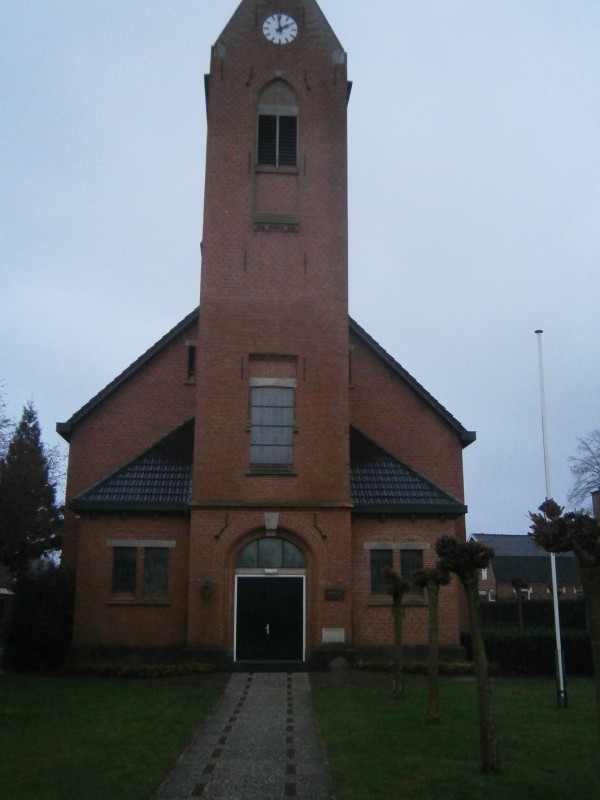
[
  {"x": 271, "y": 552},
  {"x": 277, "y": 143}
]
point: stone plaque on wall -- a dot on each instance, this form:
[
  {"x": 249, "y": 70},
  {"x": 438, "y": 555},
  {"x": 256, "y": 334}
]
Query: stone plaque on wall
[{"x": 334, "y": 635}]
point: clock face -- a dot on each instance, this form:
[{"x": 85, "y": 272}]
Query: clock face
[{"x": 280, "y": 28}]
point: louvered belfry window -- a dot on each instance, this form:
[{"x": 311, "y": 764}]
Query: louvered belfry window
[
  {"x": 277, "y": 144},
  {"x": 277, "y": 140}
]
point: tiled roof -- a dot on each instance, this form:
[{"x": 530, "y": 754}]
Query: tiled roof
[
  {"x": 380, "y": 483},
  {"x": 509, "y": 544},
  {"x": 518, "y": 556},
  {"x": 161, "y": 479},
  {"x": 158, "y": 480}
]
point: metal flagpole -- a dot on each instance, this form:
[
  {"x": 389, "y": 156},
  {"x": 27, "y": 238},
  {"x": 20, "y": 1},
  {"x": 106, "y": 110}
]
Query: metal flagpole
[{"x": 561, "y": 691}]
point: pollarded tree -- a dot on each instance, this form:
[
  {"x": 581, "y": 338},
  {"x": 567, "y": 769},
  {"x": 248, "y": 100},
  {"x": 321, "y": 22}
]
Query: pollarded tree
[
  {"x": 432, "y": 580},
  {"x": 30, "y": 521},
  {"x": 578, "y": 532},
  {"x": 397, "y": 586},
  {"x": 585, "y": 467},
  {"x": 466, "y": 559}
]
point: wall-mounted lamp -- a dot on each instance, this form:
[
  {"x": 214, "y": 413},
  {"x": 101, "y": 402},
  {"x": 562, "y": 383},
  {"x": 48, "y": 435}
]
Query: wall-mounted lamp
[{"x": 206, "y": 590}]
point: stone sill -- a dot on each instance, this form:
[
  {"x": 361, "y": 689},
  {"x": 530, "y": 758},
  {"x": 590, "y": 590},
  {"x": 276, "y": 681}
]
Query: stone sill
[{"x": 134, "y": 602}]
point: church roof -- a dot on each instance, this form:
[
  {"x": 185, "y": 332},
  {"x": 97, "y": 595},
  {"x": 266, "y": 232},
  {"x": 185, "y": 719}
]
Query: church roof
[
  {"x": 65, "y": 428},
  {"x": 160, "y": 479},
  {"x": 466, "y": 437},
  {"x": 518, "y": 556},
  {"x": 381, "y": 483}
]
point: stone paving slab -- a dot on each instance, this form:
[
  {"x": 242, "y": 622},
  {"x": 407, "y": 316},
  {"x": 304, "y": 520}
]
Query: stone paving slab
[{"x": 260, "y": 743}]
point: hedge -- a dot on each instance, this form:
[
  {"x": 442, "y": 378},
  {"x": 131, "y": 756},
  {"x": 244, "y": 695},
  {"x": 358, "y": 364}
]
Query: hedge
[
  {"x": 536, "y": 613},
  {"x": 38, "y": 632},
  {"x": 533, "y": 651}
]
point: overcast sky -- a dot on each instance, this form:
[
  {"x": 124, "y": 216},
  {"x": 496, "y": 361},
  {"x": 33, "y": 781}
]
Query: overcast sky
[{"x": 474, "y": 157}]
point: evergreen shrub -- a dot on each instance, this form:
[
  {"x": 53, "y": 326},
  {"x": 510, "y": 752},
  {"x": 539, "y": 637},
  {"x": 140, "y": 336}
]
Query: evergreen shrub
[{"x": 38, "y": 631}]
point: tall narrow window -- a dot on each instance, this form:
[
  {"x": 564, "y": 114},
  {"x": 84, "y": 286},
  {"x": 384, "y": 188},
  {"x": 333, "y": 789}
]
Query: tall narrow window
[
  {"x": 271, "y": 425},
  {"x": 410, "y": 562},
  {"x": 191, "y": 360},
  {"x": 124, "y": 569},
  {"x": 156, "y": 567},
  {"x": 380, "y": 559}
]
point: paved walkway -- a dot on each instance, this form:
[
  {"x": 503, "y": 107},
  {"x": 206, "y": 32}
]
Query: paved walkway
[{"x": 260, "y": 743}]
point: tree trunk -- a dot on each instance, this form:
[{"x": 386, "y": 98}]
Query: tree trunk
[
  {"x": 519, "y": 608},
  {"x": 490, "y": 761},
  {"x": 433, "y": 705},
  {"x": 398, "y": 612},
  {"x": 590, "y": 579}
]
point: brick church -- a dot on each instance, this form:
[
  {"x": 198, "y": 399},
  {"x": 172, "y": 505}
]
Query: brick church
[{"x": 239, "y": 488}]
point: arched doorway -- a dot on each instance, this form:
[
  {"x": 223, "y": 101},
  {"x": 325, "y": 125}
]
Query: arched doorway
[{"x": 270, "y": 601}]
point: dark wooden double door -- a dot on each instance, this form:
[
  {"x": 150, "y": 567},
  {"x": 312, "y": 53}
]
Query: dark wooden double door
[{"x": 270, "y": 618}]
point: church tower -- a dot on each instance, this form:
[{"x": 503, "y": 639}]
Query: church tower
[
  {"x": 271, "y": 454},
  {"x": 240, "y": 489}
]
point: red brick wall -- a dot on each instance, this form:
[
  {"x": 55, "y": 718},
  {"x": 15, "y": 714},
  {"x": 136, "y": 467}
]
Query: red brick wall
[
  {"x": 103, "y": 620},
  {"x": 372, "y": 614},
  {"x": 218, "y": 535},
  {"x": 398, "y": 419},
  {"x": 146, "y": 407}
]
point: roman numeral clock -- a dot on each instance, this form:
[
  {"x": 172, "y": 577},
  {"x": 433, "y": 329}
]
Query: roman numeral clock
[{"x": 280, "y": 28}]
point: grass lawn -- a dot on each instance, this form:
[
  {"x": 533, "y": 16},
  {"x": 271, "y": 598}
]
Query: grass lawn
[
  {"x": 381, "y": 748},
  {"x": 94, "y": 739}
]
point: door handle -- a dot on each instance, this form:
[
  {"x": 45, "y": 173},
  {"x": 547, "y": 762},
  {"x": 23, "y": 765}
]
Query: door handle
[{"x": 267, "y": 628}]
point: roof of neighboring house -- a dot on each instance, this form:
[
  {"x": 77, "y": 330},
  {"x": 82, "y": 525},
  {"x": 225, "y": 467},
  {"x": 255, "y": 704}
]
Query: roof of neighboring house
[
  {"x": 160, "y": 479},
  {"x": 65, "y": 428},
  {"x": 518, "y": 556}
]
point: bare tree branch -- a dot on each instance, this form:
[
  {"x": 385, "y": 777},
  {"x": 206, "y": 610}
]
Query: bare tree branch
[{"x": 585, "y": 468}]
